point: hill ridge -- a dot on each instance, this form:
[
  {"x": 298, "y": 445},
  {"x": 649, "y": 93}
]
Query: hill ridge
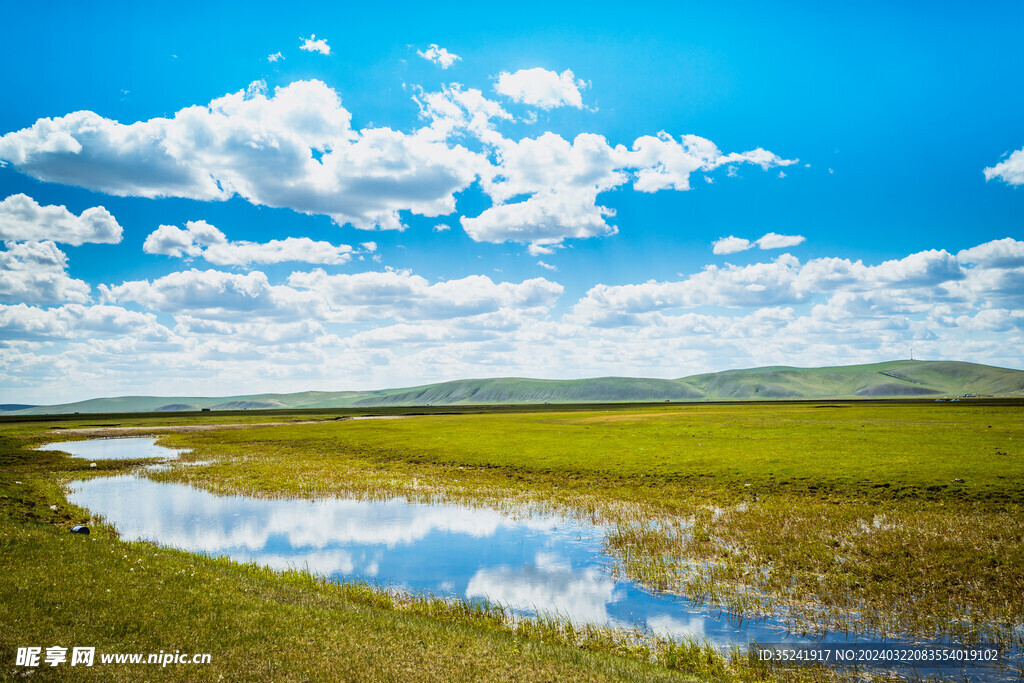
[{"x": 888, "y": 379}]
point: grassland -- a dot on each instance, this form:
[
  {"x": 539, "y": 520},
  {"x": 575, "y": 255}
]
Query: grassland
[{"x": 903, "y": 518}]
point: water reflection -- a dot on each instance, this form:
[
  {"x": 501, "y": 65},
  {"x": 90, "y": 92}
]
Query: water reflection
[
  {"x": 538, "y": 563},
  {"x": 113, "y": 449}
]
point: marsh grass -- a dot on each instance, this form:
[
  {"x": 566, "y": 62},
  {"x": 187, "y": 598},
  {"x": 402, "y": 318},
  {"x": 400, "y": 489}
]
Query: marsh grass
[{"x": 828, "y": 520}]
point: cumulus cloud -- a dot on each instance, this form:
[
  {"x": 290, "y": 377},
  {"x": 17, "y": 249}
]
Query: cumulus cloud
[
  {"x": 439, "y": 55},
  {"x": 1004, "y": 253},
  {"x": 259, "y": 147},
  {"x": 23, "y": 219},
  {"x": 923, "y": 269},
  {"x": 405, "y": 296},
  {"x": 455, "y": 110},
  {"x": 544, "y": 218},
  {"x": 731, "y": 245},
  {"x": 1010, "y": 170},
  {"x": 545, "y": 189},
  {"x": 71, "y": 321},
  {"x": 199, "y": 238},
  {"x": 783, "y": 281},
  {"x": 560, "y": 181},
  {"x": 662, "y": 162},
  {"x": 296, "y": 149},
  {"x": 274, "y": 57},
  {"x": 311, "y": 44},
  {"x": 541, "y": 88},
  {"x": 259, "y": 333},
  {"x": 319, "y": 330},
  {"x": 773, "y": 240},
  {"x": 217, "y": 295},
  {"x": 36, "y": 273},
  {"x": 230, "y": 298}
]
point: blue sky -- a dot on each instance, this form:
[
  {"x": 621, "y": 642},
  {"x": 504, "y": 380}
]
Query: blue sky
[{"x": 430, "y": 193}]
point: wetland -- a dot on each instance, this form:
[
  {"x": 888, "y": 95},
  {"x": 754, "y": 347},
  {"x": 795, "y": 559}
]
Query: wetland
[{"x": 704, "y": 525}]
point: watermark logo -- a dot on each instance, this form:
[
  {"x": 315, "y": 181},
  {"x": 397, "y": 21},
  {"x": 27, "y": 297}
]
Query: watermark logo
[{"x": 86, "y": 656}]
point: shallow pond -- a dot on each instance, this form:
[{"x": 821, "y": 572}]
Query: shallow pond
[
  {"x": 529, "y": 563},
  {"x": 127, "y": 448}
]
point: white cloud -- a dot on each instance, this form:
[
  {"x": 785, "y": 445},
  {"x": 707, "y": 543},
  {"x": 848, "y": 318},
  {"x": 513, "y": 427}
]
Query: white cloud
[
  {"x": 300, "y": 249},
  {"x": 274, "y": 57},
  {"x": 171, "y": 240},
  {"x": 561, "y": 180},
  {"x": 773, "y": 240},
  {"x": 258, "y": 147},
  {"x": 36, "y": 273},
  {"x": 541, "y": 88},
  {"x": 1010, "y": 171},
  {"x": 784, "y": 281},
  {"x": 72, "y": 321},
  {"x": 311, "y": 44},
  {"x": 442, "y": 227},
  {"x": 662, "y": 162},
  {"x": 230, "y": 298},
  {"x": 259, "y": 333},
  {"x": 543, "y": 218},
  {"x": 217, "y": 295},
  {"x": 923, "y": 269},
  {"x": 549, "y": 163},
  {"x": 454, "y": 110},
  {"x": 544, "y": 189},
  {"x": 439, "y": 55},
  {"x": 404, "y": 296},
  {"x": 731, "y": 245},
  {"x": 199, "y": 238},
  {"x": 546, "y": 266},
  {"x": 393, "y": 328},
  {"x": 23, "y": 219},
  {"x": 297, "y": 149},
  {"x": 1004, "y": 253}
]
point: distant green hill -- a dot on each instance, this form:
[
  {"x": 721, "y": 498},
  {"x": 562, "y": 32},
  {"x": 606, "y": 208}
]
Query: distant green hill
[
  {"x": 516, "y": 390},
  {"x": 893, "y": 379},
  {"x": 903, "y": 378}
]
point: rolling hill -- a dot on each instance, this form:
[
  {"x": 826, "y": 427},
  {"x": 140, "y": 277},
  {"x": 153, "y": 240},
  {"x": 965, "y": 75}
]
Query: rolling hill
[{"x": 892, "y": 379}]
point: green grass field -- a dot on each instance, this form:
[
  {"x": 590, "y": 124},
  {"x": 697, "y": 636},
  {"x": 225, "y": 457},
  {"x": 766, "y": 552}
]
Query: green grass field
[{"x": 903, "y": 518}]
